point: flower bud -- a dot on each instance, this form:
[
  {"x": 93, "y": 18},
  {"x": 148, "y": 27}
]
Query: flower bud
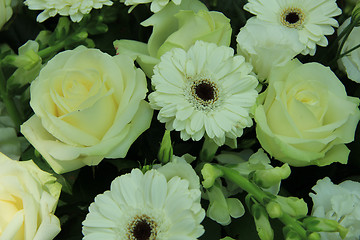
[
  {"x": 314, "y": 236},
  {"x": 316, "y": 224},
  {"x": 270, "y": 177},
  {"x": 262, "y": 223},
  {"x": 210, "y": 174},
  {"x": 293, "y": 206},
  {"x": 63, "y": 27},
  {"x": 27, "y": 57},
  {"x": 166, "y": 150},
  {"x": 28, "y": 62},
  {"x": 274, "y": 209},
  {"x": 292, "y": 235}
]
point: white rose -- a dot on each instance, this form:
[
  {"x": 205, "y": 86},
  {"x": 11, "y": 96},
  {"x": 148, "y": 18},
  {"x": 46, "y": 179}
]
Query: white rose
[
  {"x": 88, "y": 105},
  {"x": 28, "y": 198},
  {"x": 340, "y": 203}
]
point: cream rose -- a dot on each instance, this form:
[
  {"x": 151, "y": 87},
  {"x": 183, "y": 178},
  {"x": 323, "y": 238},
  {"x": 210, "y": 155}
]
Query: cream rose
[
  {"x": 88, "y": 105},
  {"x": 339, "y": 202},
  {"x": 305, "y": 116},
  {"x": 28, "y": 198},
  {"x": 5, "y": 12}
]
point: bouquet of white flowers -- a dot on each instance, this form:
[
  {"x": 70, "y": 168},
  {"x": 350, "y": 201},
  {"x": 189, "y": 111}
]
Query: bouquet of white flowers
[{"x": 179, "y": 119}]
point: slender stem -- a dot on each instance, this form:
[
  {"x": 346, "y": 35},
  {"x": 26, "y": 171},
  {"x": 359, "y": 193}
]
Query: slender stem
[
  {"x": 9, "y": 103},
  {"x": 349, "y": 51},
  {"x": 260, "y": 195},
  {"x": 244, "y": 183},
  {"x": 208, "y": 150},
  {"x": 51, "y": 49},
  {"x": 347, "y": 31}
]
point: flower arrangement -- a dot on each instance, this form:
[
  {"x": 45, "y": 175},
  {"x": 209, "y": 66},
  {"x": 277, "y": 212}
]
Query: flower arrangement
[{"x": 179, "y": 119}]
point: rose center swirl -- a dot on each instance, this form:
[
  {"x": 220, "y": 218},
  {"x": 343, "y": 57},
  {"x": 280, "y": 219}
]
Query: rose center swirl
[{"x": 292, "y": 17}]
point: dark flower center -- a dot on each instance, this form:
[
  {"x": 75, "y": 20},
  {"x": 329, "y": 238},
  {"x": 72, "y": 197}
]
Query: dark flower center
[
  {"x": 292, "y": 17},
  {"x": 142, "y": 230},
  {"x": 203, "y": 94},
  {"x": 205, "y": 91}
]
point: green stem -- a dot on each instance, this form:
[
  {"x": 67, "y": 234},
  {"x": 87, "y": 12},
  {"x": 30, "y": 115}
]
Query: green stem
[
  {"x": 51, "y": 49},
  {"x": 208, "y": 150},
  {"x": 346, "y": 32},
  {"x": 260, "y": 196},
  {"x": 349, "y": 51},
  {"x": 10, "y": 105},
  {"x": 335, "y": 43},
  {"x": 244, "y": 183}
]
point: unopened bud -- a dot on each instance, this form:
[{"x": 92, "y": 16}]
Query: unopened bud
[
  {"x": 274, "y": 209},
  {"x": 293, "y": 206},
  {"x": 166, "y": 150},
  {"x": 314, "y": 236},
  {"x": 315, "y": 224},
  {"x": 210, "y": 174},
  {"x": 262, "y": 223},
  {"x": 270, "y": 177}
]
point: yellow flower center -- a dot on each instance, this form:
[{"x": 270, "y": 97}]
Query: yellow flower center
[{"x": 292, "y": 17}]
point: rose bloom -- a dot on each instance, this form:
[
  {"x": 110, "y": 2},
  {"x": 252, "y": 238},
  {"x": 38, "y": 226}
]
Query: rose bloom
[
  {"x": 28, "y": 198},
  {"x": 5, "y": 12},
  {"x": 177, "y": 26},
  {"x": 339, "y": 202},
  {"x": 305, "y": 116},
  {"x": 88, "y": 105}
]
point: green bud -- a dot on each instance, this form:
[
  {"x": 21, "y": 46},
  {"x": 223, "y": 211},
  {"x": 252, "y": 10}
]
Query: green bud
[
  {"x": 27, "y": 58},
  {"x": 314, "y": 236},
  {"x": 315, "y": 224},
  {"x": 97, "y": 28},
  {"x": 63, "y": 27},
  {"x": 43, "y": 38},
  {"x": 166, "y": 150},
  {"x": 210, "y": 174},
  {"x": 79, "y": 36},
  {"x": 355, "y": 15},
  {"x": 270, "y": 177},
  {"x": 89, "y": 43},
  {"x": 146, "y": 168},
  {"x": 274, "y": 209},
  {"x": 262, "y": 223},
  {"x": 291, "y": 234},
  {"x": 293, "y": 206},
  {"x": 227, "y": 238}
]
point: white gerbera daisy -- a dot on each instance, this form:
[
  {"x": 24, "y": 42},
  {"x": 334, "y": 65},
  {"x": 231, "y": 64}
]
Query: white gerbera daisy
[
  {"x": 312, "y": 20},
  {"x": 204, "y": 90},
  {"x": 145, "y": 206},
  {"x": 73, "y": 8},
  {"x": 156, "y": 5}
]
